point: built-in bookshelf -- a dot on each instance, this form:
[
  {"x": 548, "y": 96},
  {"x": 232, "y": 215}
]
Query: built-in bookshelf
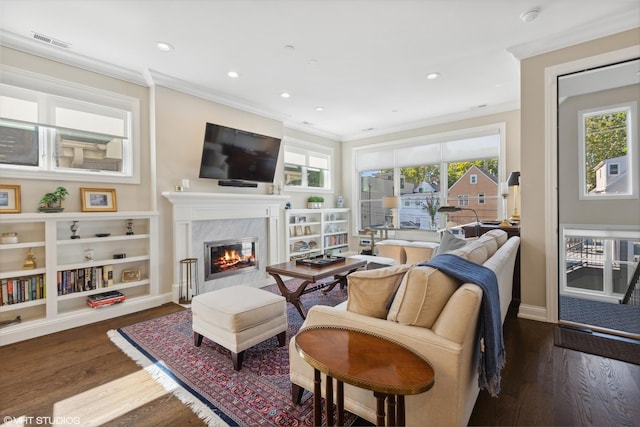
[
  {"x": 312, "y": 232},
  {"x": 52, "y": 269}
]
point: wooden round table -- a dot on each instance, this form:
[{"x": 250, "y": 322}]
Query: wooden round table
[{"x": 363, "y": 359}]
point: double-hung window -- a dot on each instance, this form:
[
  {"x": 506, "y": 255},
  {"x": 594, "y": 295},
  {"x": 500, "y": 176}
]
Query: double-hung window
[
  {"x": 307, "y": 168},
  {"x": 62, "y": 131}
]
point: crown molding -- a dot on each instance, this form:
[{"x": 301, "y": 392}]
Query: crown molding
[
  {"x": 449, "y": 118},
  {"x": 603, "y": 27},
  {"x": 189, "y": 88},
  {"x": 59, "y": 54}
]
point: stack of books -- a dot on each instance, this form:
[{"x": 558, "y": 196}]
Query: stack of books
[{"x": 105, "y": 298}]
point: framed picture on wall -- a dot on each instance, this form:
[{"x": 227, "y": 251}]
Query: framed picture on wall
[
  {"x": 10, "y": 199},
  {"x": 98, "y": 199}
]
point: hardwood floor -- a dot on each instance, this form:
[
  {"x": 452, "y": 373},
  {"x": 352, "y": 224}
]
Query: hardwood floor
[{"x": 541, "y": 384}]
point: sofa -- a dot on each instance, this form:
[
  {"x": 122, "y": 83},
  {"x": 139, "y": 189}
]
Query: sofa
[
  {"x": 406, "y": 251},
  {"x": 429, "y": 312}
]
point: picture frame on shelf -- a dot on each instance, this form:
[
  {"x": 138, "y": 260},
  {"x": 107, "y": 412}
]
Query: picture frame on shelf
[
  {"x": 10, "y": 199},
  {"x": 98, "y": 200},
  {"x": 130, "y": 276}
]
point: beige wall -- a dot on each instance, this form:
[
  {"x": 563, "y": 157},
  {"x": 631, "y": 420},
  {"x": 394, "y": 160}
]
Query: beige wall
[
  {"x": 179, "y": 126},
  {"x": 130, "y": 197},
  {"x": 533, "y": 116}
]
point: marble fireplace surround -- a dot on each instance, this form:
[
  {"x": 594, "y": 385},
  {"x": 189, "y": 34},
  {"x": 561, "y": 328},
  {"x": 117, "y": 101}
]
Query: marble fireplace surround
[{"x": 193, "y": 212}]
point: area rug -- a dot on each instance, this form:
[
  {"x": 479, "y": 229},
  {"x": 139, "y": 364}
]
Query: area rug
[{"x": 204, "y": 379}]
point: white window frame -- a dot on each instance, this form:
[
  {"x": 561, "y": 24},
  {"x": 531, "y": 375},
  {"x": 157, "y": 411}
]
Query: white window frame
[
  {"x": 309, "y": 149},
  {"x": 386, "y": 150},
  {"x": 473, "y": 178},
  {"x": 481, "y": 199},
  {"x": 631, "y": 109},
  {"x": 50, "y": 93}
]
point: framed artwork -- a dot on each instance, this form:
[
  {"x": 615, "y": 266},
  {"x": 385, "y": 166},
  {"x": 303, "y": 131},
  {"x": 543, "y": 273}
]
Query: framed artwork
[
  {"x": 10, "y": 199},
  {"x": 98, "y": 199}
]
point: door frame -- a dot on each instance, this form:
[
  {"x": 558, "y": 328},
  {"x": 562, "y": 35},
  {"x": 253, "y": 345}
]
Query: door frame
[{"x": 551, "y": 163}]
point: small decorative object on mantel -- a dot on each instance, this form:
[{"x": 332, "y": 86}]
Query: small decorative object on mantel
[
  {"x": 52, "y": 202},
  {"x": 30, "y": 261},
  {"x": 315, "y": 202},
  {"x": 74, "y": 230}
]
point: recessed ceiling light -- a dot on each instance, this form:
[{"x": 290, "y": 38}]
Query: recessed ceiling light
[
  {"x": 433, "y": 76},
  {"x": 164, "y": 46},
  {"x": 319, "y": 108},
  {"x": 233, "y": 74},
  {"x": 285, "y": 95},
  {"x": 529, "y": 15}
]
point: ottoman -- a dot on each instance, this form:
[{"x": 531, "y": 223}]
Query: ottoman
[
  {"x": 417, "y": 252},
  {"x": 237, "y": 318}
]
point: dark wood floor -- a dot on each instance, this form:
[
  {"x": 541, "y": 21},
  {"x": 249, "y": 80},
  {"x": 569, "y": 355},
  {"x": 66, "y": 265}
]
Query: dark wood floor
[{"x": 541, "y": 385}]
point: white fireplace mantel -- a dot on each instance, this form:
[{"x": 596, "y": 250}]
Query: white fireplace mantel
[{"x": 190, "y": 206}]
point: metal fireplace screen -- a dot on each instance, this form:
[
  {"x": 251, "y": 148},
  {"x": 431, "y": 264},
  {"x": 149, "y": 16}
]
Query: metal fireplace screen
[{"x": 229, "y": 257}]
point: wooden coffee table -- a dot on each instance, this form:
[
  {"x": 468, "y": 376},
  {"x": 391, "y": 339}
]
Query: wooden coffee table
[
  {"x": 364, "y": 360},
  {"x": 311, "y": 275}
]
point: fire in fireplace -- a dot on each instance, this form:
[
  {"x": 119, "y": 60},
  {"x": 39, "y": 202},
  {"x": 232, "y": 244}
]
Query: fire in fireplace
[{"x": 228, "y": 257}]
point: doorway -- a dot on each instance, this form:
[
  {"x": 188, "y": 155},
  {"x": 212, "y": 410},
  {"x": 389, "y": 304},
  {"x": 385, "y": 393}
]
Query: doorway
[{"x": 598, "y": 204}]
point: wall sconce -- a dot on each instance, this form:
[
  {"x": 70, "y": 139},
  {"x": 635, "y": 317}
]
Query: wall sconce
[
  {"x": 449, "y": 209},
  {"x": 390, "y": 202},
  {"x": 514, "y": 181}
]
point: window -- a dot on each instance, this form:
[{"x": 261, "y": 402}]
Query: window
[
  {"x": 608, "y": 152},
  {"x": 432, "y": 173},
  {"x": 307, "y": 169},
  {"x": 66, "y": 132}
]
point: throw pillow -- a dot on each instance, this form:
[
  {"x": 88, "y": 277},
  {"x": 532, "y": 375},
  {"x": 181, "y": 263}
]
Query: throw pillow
[
  {"x": 370, "y": 290},
  {"x": 422, "y": 295},
  {"x": 449, "y": 242}
]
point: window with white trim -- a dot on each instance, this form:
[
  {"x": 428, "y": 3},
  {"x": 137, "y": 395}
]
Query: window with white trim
[
  {"x": 429, "y": 170},
  {"x": 55, "y": 135},
  {"x": 304, "y": 168},
  {"x": 473, "y": 178},
  {"x": 608, "y": 152}
]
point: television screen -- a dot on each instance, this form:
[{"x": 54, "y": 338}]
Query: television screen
[{"x": 233, "y": 154}]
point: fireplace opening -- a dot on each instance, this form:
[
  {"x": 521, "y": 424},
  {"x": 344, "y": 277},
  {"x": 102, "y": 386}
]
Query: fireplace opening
[{"x": 228, "y": 257}]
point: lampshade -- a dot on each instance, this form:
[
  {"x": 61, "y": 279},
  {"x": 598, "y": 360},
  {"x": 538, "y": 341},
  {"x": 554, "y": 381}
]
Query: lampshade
[
  {"x": 514, "y": 179},
  {"x": 390, "y": 202}
]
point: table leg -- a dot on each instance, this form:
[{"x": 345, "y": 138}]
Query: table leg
[
  {"x": 340, "y": 402},
  {"x": 391, "y": 410},
  {"x": 400, "y": 408},
  {"x": 292, "y": 297},
  {"x": 317, "y": 399},
  {"x": 329, "y": 400},
  {"x": 380, "y": 398}
]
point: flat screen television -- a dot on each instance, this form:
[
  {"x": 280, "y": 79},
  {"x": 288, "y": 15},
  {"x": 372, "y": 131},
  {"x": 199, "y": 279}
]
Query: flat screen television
[{"x": 237, "y": 155}]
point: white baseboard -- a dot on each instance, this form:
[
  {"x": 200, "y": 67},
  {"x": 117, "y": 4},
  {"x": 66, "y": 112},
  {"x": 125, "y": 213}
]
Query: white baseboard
[{"x": 533, "y": 312}]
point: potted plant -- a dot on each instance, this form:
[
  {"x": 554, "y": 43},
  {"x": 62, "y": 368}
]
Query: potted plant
[
  {"x": 315, "y": 202},
  {"x": 432, "y": 207},
  {"x": 52, "y": 202}
]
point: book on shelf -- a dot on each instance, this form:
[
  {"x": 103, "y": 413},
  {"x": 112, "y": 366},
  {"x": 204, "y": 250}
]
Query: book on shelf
[
  {"x": 84, "y": 279},
  {"x": 22, "y": 289},
  {"x": 105, "y": 299}
]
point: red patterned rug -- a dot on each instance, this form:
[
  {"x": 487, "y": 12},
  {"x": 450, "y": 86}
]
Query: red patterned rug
[{"x": 203, "y": 377}]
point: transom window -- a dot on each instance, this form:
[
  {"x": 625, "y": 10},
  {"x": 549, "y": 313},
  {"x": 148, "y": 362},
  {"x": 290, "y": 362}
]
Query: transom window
[
  {"x": 46, "y": 134},
  {"x": 306, "y": 169}
]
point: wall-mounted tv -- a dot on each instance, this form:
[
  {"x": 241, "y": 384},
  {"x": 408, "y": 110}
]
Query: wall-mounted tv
[{"x": 238, "y": 155}]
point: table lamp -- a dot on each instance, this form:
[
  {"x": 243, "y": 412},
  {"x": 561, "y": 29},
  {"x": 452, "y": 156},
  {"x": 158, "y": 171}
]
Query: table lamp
[
  {"x": 390, "y": 202},
  {"x": 514, "y": 181}
]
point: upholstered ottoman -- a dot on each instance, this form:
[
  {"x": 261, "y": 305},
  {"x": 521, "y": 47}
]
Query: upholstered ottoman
[
  {"x": 417, "y": 252},
  {"x": 374, "y": 261},
  {"x": 237, "y": 318}
]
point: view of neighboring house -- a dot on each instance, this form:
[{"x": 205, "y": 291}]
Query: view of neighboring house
[
  {"x": 477, "y": 189},
  {"x": 611, "y": 176}
]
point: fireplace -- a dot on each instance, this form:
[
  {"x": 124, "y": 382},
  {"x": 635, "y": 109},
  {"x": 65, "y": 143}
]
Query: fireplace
[{"x": 228, "y": 257}]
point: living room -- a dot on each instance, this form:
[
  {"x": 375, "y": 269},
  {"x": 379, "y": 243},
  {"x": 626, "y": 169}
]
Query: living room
[{"x": 172, "y": 119}]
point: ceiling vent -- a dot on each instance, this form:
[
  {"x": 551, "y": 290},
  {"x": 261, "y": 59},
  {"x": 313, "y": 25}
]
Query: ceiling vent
[{"x": 50, "y": 40}]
